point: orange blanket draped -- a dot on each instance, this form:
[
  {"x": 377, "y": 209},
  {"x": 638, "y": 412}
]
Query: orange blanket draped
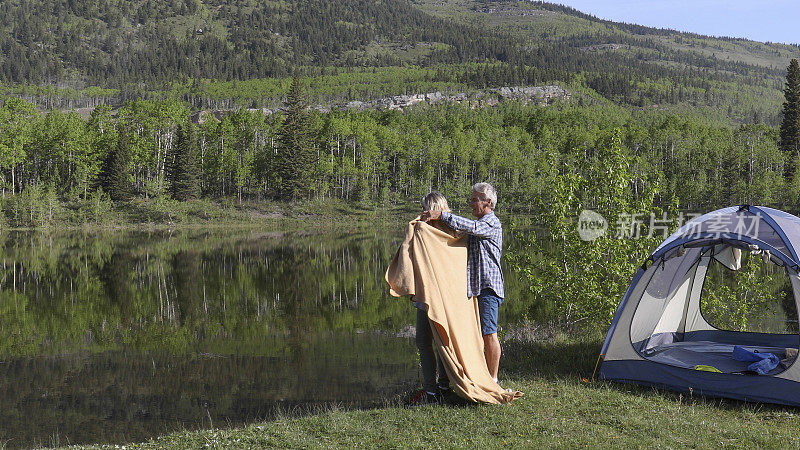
[{"x": 431, "y": 265}]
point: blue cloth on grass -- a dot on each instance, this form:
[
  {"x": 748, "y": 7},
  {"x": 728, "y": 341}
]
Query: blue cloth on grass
[{"x": 762, "y": 362}]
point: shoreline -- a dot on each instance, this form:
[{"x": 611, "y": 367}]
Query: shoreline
[{"x": 161, "y": 214}]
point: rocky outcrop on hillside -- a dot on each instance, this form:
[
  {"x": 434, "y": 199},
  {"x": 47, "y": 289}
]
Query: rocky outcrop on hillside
[
  {"x": 543, "y": 95},
  {"x": 480, "y": 99}
]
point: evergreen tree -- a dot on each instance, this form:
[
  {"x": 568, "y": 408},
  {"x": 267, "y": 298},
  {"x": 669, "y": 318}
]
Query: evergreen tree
[
  {"x": 183, "y": 170},
  {"x": 790, "y": 126},
  {"x": 115, "y": 176},
  {"x": 295, "y": 159}
]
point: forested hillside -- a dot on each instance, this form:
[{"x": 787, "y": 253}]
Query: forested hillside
[
  {"x": 111, "y": 42},
  {"x": 652, "y": 67},
  {"x": 66, "y": 54}
]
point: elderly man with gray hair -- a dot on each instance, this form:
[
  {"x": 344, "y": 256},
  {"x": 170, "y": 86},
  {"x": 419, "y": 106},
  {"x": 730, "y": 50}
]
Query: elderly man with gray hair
[{"x": 484, "y": 275}]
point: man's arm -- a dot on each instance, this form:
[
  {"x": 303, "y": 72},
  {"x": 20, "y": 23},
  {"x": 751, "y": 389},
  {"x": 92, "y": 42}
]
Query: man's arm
[{"x": 479, "y": 228}]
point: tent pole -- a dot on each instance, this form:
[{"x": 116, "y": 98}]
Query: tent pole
[{"x": 596, "y": 365}]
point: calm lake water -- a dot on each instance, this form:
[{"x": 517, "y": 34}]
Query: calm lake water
[{"x": 119, "y": 337}]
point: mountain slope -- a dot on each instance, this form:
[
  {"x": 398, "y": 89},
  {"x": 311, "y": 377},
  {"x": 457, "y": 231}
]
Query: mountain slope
[
  {"x": 115, "y": 41},
  {"x": 539, "y": 21},
  {"x": 144, "y": 45}
]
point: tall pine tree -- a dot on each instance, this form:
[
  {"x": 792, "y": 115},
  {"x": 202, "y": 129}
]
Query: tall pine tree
[
  {"x": 183, "y": 170},
  {"x": 790, "y": 126},
  {"x": 296, "y": 157},
  {"x": 115, "y": 175}
]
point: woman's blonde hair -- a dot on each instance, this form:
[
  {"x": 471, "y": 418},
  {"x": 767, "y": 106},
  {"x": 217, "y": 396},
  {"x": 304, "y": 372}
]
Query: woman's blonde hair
[{"x": 435, "y": 201}]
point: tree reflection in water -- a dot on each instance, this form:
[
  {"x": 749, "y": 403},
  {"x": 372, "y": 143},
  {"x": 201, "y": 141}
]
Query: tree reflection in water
[{"x": 112, "y": 337}]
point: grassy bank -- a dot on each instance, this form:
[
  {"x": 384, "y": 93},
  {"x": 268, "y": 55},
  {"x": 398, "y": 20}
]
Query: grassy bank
[{"x": 559, "y": 410}]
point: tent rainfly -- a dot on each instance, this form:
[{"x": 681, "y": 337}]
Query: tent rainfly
[{"x": 659, "y": 336}]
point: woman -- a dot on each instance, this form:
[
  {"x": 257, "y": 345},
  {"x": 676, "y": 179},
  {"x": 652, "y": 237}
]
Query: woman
[{"x": 432, "y": 392}]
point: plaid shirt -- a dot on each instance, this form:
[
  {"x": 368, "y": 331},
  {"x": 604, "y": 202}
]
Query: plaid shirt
[{"x": 484, "y": 248}]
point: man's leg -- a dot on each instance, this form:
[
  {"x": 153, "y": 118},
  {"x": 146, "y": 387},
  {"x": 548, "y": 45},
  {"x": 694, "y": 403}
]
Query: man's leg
[
  {"x": 491, "y": 346},
  {"x": 489, "y": 304}
]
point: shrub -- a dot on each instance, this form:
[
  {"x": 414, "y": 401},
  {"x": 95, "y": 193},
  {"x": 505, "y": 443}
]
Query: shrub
[{"x": 585, "y": 279}]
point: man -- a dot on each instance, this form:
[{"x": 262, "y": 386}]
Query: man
[{"x": 484, "y": 276}]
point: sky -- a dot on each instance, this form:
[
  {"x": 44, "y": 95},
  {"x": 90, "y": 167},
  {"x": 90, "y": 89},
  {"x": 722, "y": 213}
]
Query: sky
[{"x": 759, "y": 20}]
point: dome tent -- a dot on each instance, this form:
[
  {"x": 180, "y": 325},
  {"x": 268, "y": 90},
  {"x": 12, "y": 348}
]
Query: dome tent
[{"x": 659, "y": 336}]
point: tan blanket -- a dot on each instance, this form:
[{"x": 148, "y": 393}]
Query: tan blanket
[{"x": 431, "y": 265}]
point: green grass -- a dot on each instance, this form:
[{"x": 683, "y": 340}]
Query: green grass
[{"x": 558, "y": 410}]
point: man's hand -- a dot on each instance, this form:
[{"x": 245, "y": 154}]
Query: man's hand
[{"x": 427, "y": 216}]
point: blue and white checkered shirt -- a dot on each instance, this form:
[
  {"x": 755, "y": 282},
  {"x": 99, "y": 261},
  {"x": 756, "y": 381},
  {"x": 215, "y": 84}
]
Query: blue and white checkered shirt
[{"x": 484, "y": 249}]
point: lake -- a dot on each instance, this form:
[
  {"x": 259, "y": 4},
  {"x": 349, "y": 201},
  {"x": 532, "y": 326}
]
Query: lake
[{"x": 112, "y": 337}]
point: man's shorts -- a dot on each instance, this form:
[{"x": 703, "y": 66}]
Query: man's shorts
[{"x": 488, "y": 305}]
